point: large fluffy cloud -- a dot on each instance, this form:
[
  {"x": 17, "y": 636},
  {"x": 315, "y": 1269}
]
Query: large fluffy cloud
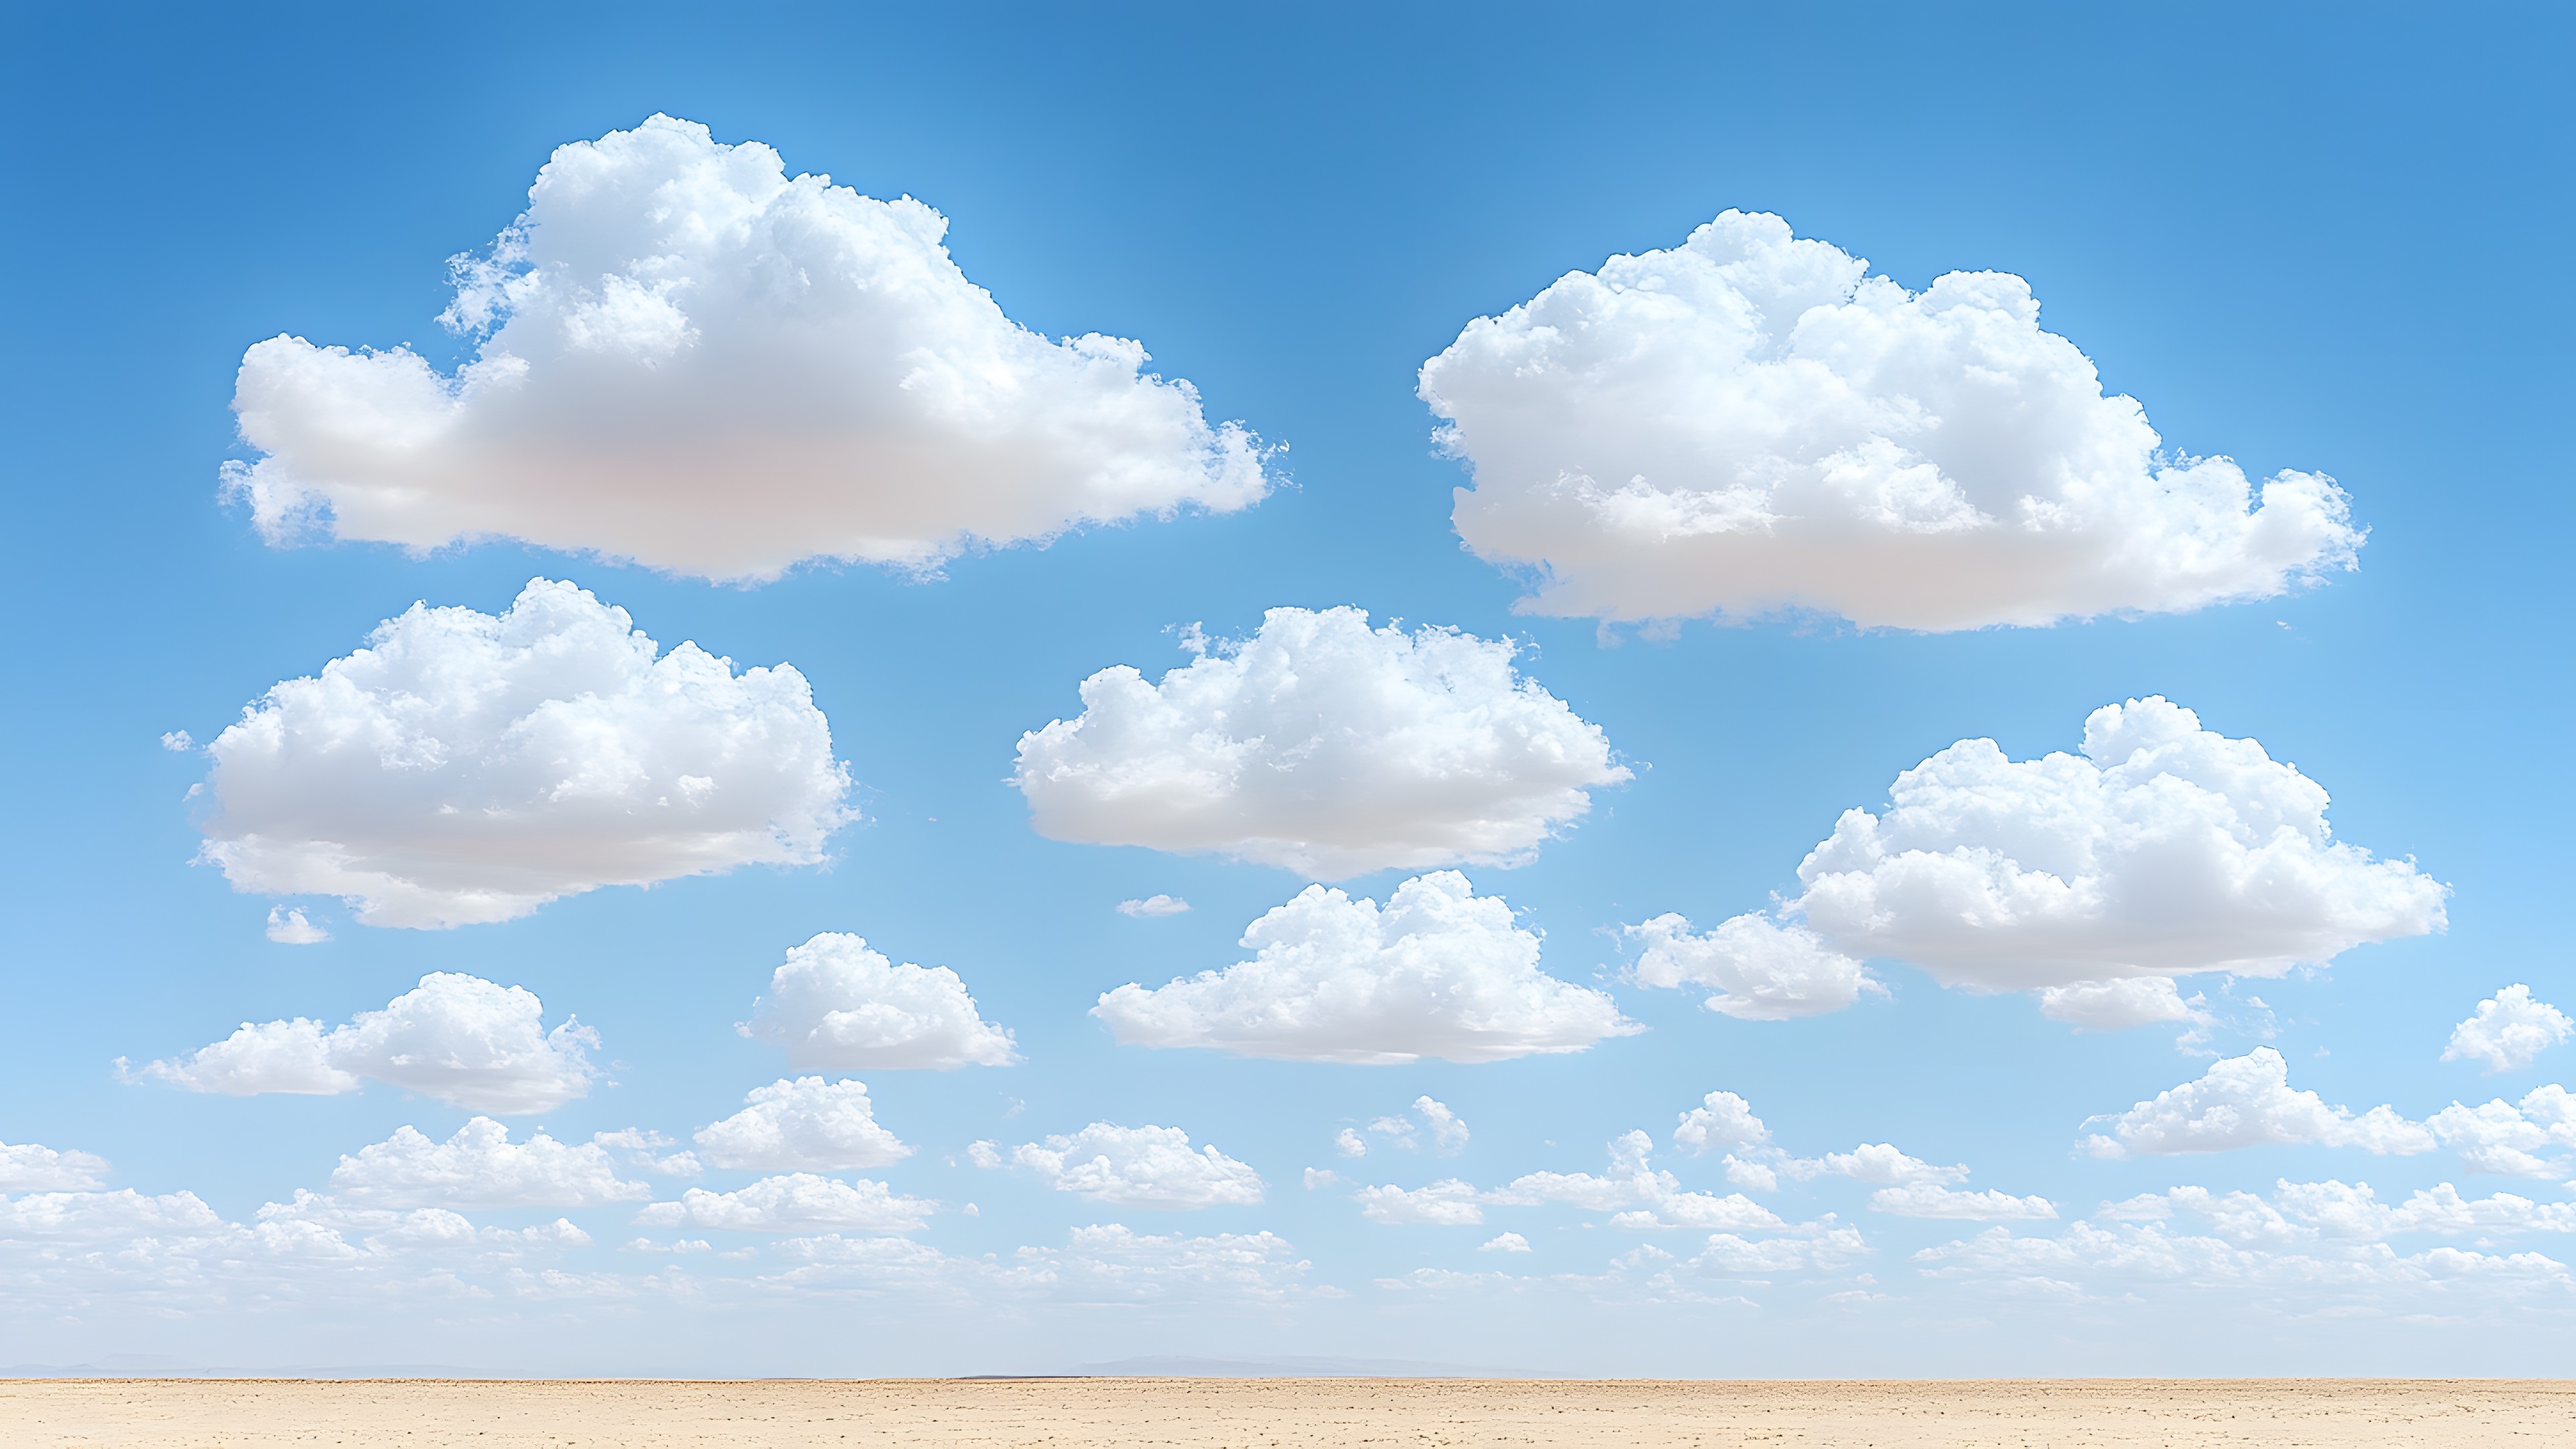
[
  {"x": 2509, "y": 1029},
  {"x": 1440, "y": 972},
  {"x": 837, "y": 1005},
  {"x": 1324, "y": 746},
  {"x": 480, "y": 1167},
  {"x": 2511, "y": 1138},
  {"x": 466, "y": 768},
  {"x": 1751, "y": 423},
  {"x": 1134, "y": 1167},
  {"x": 687, "y": 358},
  {"x": 807, "y": 1125},
  {"x": 2247, "y": 1101},
  {"x": 2162, "y": 849},
  {"x": 458, "y": 1038},
  {"x": 1753, "y": 968}
]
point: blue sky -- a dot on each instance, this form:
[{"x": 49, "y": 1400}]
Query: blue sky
[{"x": 2303, "y": 239}]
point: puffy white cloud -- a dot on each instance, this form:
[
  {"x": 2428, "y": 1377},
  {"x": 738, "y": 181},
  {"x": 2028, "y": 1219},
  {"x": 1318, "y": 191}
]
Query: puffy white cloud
[
  {"x": 2305, "y": 1213},
  {"x": 2247, "y": 1102},
  {"x": 1154, "y": 905},
  {"x": 480, "y": 1167},
  {"x": 1722, "y": 1119},
  {"x": 289, "y": 927},
  {"x": 837, "y": 1005},
  {"x": 1322, "y": 746},
  {"x": 1136, "y": 1167},
  {"x": 1931, "y": 1200},
  {"x": 808, "y": 1125},
  {"x": 457, "y": 1038},
  {"x": 178, "y": 742},
  {"x": 2125, "y": 1002},
  {"x": 2509, "y": 1030},
  {"x": 1440, "y": 972},
  {"x": 1754, "y": 968},
  {"x": 1448, "y": 1131},
  {"x": 1654, "y": 1199},
  {"x": 793, "y": 1203},
  {"x": 2502, "y": 1137},
  {"x": 33, "y": 1167},
  {"x": 1446, "y": 1203},
  {"x": 101, "y": 1216},
  {"x": 1504, "y": 1243},
  {"x": 2164, "y": 849},
  {"x": 651, "y": 1151},
  {"x": 1877, "y": 1162},
  {"x": 1350, "y": 1143},
  {"x": 464, "y": 767},
  {"x": 2116, "y": 1261},
  {"x": 686, "y": 358},
  {"x": 1750, "y": 423}
]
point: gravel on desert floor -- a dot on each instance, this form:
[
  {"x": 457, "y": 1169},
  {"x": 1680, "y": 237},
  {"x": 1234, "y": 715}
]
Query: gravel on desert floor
[{"x": 1256, "y": 1413}]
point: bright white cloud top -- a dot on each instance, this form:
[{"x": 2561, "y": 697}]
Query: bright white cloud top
[
  {"x": 469, "y": 768},
  {"x": 457, "y": 1038},
  {"x": 2247, "y": 1101},
  {"x": 33, "y": 1167},
  {"x": 1751, "y": 423},
  {"x": 1439, "y": 972},
  {"x": 2512, "y": 1138},
  {"x": 839, "y": 1006},
  {"x": 1133, "y": 1167},
  {"x": 796, "y": 1202},
  {"x": 687, "y": 358},
  {"x": 481, "y": 1167},
  {"x": 2510, "y": 1029},
  {"x": 804, "y": 1125},
  {"x": 1754, "y": 968},
  {"x": 2115, "y": 1005},
  {"x": 2163, "y": 849},
  {"x": 1323, "y": 746}
]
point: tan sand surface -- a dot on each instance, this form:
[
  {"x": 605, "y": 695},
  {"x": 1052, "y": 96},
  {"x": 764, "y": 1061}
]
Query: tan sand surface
[{"x": 1257, "y": 1413}]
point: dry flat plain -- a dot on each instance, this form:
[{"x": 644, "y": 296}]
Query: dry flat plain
[{"x": 1257, "y": 1413}]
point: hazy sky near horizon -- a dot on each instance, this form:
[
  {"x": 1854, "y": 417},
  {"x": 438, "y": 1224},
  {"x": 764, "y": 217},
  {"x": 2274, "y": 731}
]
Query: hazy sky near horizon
[{"x": 862, "y": 691}]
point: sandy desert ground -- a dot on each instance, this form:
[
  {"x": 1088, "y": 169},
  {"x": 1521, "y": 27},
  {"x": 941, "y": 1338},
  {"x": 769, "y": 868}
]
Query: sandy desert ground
[{"x": 1074, "y": 1413}]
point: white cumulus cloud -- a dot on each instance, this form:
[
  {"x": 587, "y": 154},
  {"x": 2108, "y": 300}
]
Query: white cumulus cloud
[
  {"x": 460, "y": 1039},
  {"x": 808, "y": 1125},
  {"x": 1322, "y": 746},
  {"x": 466, "y": 768},
  {"x": 1878, "y": 1162},
  {"x": 687, "y": 358},
  {"x": 1753, "y": 967},
  {"x": 2510, "y": 1029},
  {"x": 480, "y": 1167},
  {"x": 287, "y": 926},
  {"x": 1750, "y": 423},
  {"x": 33, "y": 1167},
  {"x": 1446, "y": 1203},
  {"x": 1722, "y": 1119},
  {"x": 837, "y": 1005},
  {"x": 2247, "y": 1101},
  {"x": 2510, "y": 1138},
  {"x": 1135, "y": 1167},
  {"x": 795, "y": 1202},
  {"x": 1504, "y": 1243},
  {"x": 2163, "y": 849},
  {"x": 1154, "y": 905},
  {"x": 1440, "y": 972},
  {"x": 2125, "y": 1002},
  {"x": 1931, "y": 1200}
]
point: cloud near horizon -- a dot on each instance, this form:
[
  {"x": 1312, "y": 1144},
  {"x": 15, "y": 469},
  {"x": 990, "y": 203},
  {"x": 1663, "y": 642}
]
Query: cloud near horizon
[
  {"x": 1750, "y": 424},
  {"x": 685, "y": 358}
]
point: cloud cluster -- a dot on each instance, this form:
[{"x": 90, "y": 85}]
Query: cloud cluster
[
  {"x": 1439, "y": 972},
  {"x": 2247, "y": 1101},
  {"x": 1322, "y": 746},
  {"x": 460, "y": 1039},
  {"x": 2121, "y": 1003},
  {"x": 796, "y": 1202},
  {"x": 480, "y": 1167},
  {"x": 33, "y": 1167},
  {"x": 1651, "y": 1198},
  {"x": 1133, "y": 1167},
  {"x": 1751, "y": 423},
  {"x": 1154, "y": 905},
  {"x": 686, "y": 358},
  {"x": 466, "y": 768},
  {"x": 1931, "y": 1200},
  {"x": 2509, "y": 1138},
  {"x": 838, "y": 1006},
  {"x": 2163, "y": 849},
  {"x": 805, "y": 1125},
  {"x": 2509, "y": 1030},
  {"x": 1754, "y": 968}
]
